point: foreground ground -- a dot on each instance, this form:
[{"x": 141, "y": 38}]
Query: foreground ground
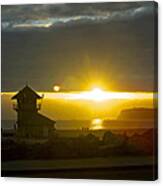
[{"x": 130, "y": 168}]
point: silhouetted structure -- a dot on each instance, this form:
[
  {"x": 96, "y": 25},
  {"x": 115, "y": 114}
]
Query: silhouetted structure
[{"x": 31, "y": 125}]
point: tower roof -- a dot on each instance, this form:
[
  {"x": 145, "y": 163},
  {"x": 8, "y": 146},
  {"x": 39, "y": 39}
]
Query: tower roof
[
  {"x": 37, "y": 119},
  {"x": 26, "y": 91}
]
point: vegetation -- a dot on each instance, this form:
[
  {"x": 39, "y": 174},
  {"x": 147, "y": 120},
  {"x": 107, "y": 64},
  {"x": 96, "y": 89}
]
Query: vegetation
[{"x": 82, "y": 147}]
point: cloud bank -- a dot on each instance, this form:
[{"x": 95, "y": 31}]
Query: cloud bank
[{"x": 25, "y": 17}]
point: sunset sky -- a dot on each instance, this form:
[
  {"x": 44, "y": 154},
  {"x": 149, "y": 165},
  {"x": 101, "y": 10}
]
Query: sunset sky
[{"x": 78, "y": 46}]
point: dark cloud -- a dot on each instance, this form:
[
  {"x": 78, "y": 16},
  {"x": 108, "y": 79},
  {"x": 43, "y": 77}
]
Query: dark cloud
[
  {"x": 111, "y": 43},
  {"x": 24, "y": 17}
]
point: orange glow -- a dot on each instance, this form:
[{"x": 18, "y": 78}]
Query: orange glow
[
  {"x": 84, "y": 104},
  {"x": 98, "y": 95},
  {"x": 95, "y": 95}
]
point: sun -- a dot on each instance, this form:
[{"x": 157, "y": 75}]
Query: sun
[
  {"x": 98, "y": 94},
  {"x": 97, "y": 91}
]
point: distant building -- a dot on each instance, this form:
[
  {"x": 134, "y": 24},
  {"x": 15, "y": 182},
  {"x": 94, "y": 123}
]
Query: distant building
[{"x": 31, "y": 125}]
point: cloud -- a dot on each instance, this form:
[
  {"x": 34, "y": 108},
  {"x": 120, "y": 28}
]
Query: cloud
[{"x": 23, "y": 17}]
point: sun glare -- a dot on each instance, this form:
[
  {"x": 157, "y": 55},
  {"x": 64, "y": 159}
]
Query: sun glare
[
  {"x": 97, "y": 91},
  {"x": 97, "y": 94}
]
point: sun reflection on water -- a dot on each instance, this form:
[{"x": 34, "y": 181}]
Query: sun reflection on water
[{"x": 96, "y": 124}]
